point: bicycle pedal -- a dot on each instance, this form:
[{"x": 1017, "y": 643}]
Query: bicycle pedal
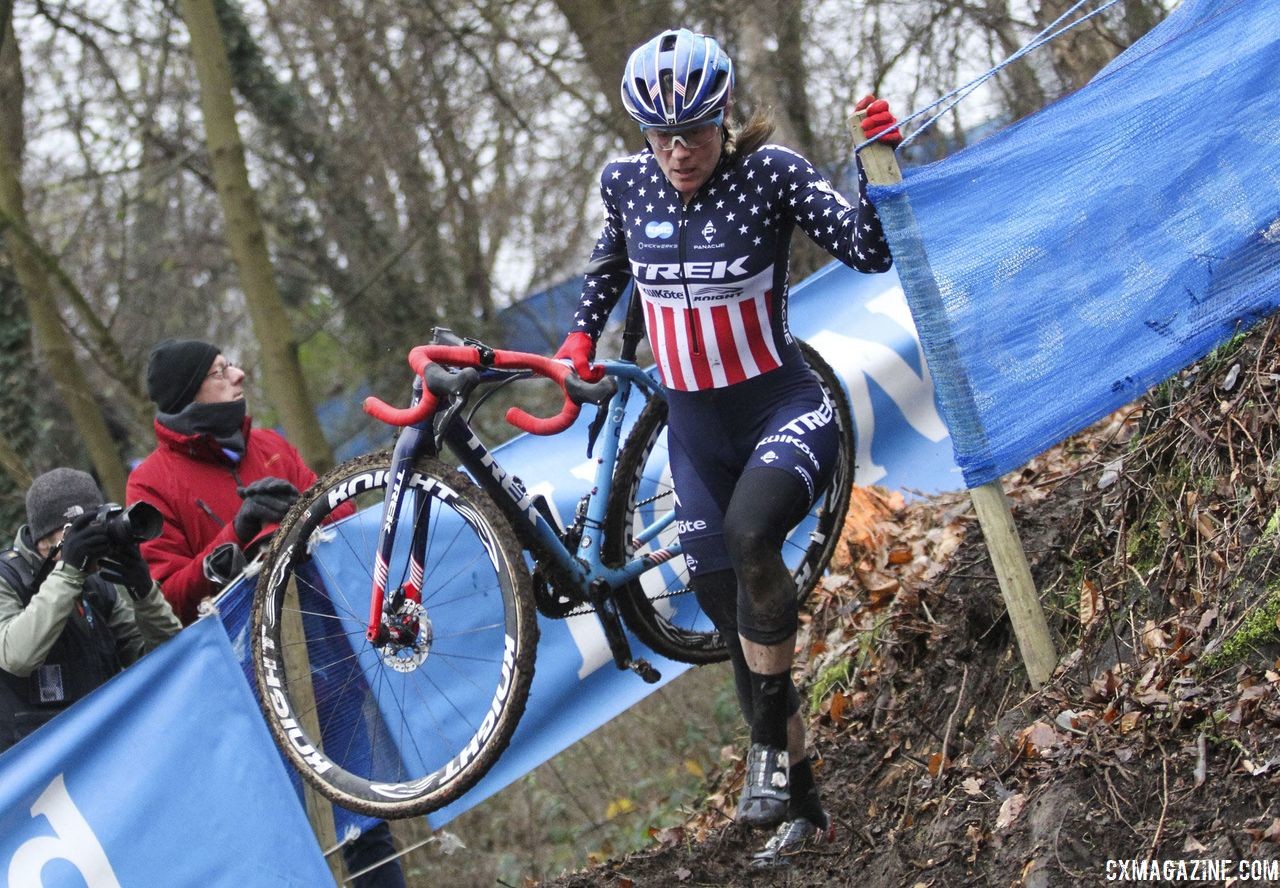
[{"x": 645, "y": 670}]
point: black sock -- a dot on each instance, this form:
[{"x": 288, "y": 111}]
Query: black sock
[
  {"x": 805, "y": 801},
  {"x": 769, "y": 705}
]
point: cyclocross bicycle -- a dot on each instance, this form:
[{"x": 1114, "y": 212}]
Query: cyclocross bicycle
[{"x": 395, "y": 618}]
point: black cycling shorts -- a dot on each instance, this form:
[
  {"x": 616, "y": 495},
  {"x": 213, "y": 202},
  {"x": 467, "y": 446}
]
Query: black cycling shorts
[{"x": 780, "y": 420}]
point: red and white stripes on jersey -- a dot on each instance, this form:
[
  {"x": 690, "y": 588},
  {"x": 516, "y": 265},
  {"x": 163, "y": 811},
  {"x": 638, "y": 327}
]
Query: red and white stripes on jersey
[{"x": 711, "y": 335}]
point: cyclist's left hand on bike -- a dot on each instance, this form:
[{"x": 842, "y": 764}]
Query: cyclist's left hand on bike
[
  {"x": 578, "y": 350},
  {"x": 879, "y": 119}
]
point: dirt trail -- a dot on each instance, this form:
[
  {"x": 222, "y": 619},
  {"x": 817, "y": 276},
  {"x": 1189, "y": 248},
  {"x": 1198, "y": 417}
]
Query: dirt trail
[{"x": 1152, "y": 541}]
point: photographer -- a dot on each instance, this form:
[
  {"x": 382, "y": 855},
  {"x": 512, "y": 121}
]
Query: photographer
[
  {"x": 77, "y": 603},
  {"x": 221, "y": 484}
]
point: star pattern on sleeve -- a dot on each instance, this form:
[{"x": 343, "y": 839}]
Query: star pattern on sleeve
[{"x": 743, "y": 210}]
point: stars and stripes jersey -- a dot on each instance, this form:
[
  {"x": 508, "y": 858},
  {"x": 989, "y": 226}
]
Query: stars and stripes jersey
[{"x": 713, "y": 274}]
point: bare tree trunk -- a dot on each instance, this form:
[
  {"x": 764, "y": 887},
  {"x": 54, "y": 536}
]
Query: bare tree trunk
[
  {"x": 607, "y": 31},
  {"x": 47, "y": 329},
  {"x": 248, "y": 240},
  {"x": 1082, "y": 52},
  {"x": 770, "y": 51}
]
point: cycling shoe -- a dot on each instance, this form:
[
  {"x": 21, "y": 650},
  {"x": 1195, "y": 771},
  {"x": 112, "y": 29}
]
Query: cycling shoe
[
  {"x": 791, "y": 838},
  {"x": 766, "y": 789}
]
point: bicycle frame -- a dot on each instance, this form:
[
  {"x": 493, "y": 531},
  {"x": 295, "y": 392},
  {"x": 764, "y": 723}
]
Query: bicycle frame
[{"x": 593, "y": 580}]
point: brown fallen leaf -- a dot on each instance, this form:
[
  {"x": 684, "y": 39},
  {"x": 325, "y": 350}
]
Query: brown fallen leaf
[
  {"x": 1154, "y": 638},
  {"x": 839, "y": 703},
  {"x": 1010, "y": 809},
  {"x": 1038, "y": 738},
  {"x": 901, "y": 555},
  {"x": 1090, "y": 602}
]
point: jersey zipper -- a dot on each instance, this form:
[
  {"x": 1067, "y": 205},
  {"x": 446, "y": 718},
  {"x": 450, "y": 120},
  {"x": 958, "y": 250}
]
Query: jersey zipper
[{"x": 691, "y": 318}]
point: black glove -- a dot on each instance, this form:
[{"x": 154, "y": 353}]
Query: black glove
[
  {"x": 85, "y": 542},
  {"x": 224, "y": 564},
  {"x": 265, "y": 502},
  {"x": 126, "y": 567}
]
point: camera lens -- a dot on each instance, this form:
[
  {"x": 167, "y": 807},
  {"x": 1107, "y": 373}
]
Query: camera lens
[{"x": 136, "y": 524}]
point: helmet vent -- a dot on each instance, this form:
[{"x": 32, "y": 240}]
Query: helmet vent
[{"x": 692, "y": 84}]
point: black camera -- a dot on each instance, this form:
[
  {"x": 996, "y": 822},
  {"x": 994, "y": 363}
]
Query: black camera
[{"x": 126, "y": 526}]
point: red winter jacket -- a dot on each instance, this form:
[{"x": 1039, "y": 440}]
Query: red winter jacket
[{"x": 193, "y": 484}]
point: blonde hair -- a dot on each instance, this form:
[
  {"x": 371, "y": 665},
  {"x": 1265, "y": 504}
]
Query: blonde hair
[{"x": 754, "y": 133}]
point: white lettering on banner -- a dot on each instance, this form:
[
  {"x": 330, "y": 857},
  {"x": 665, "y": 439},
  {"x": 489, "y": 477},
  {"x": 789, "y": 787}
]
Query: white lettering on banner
[
  {"x": 73, "y": 841},
  {"x": 856, "y": 360},
  {"x": 588, "y": 638},
  {"x": 584, "y": 629}
]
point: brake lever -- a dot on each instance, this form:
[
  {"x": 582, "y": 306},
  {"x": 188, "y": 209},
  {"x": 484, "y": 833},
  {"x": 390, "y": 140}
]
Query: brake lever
[
  {"x": 443, "y": 420},
  {"x": 593, "y": 430}
]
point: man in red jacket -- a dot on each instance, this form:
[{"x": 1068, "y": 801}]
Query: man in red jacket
[
  {"x": 222, "y": 486},
  {"x": 219, "y": 483}
]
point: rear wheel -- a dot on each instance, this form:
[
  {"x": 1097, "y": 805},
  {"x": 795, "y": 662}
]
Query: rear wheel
[
  {"x": 659, "y": 607},
  {"x": 397, "y": 729}
]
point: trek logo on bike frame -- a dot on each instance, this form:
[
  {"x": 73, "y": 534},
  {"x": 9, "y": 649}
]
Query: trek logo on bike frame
[{"x": 513, "y": 486}]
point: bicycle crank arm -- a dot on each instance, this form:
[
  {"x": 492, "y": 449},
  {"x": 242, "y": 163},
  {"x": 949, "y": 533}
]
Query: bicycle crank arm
[{"x": 607, "y": 611}]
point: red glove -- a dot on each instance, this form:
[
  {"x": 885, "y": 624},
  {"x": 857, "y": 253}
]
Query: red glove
[
  {"x": 879, "y": 120},
  {"x": 578, "y": 349}
]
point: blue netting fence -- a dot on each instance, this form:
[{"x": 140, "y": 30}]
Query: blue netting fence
[{"x": 1060, "y": 268}]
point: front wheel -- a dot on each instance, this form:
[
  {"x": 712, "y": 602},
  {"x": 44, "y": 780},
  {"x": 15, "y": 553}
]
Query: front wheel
[
  {"x": 660, "y": 607},
  {"x": 400, "y": 728}
]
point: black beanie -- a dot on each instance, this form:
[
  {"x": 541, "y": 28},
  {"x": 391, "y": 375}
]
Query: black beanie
[
  {"x": 58, "y": 496},
  {"x": 176, "y": 370}
]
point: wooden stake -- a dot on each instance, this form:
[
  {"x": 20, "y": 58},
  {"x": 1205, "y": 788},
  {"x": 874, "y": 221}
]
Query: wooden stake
[
  {"x": 989, "y": 501},
  {"x": 297, "y": 667}
]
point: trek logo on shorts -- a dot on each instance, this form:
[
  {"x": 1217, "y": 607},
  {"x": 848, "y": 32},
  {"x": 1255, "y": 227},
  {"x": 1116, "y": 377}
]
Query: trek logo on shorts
[{"x": 814, "y": 419}]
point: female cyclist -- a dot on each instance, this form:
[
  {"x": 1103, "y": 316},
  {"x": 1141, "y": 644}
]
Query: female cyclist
[{"x": 702, "y": 219}]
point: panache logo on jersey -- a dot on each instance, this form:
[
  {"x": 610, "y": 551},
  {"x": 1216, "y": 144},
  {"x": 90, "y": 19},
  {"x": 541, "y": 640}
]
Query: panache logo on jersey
[
  {"x": 708, "y": 231},
  {"x": 693, "y": 271},
  {"x": 660, "y": 230}
]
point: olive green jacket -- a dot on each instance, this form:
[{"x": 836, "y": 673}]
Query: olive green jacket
[{"x": 28, "y": 633}]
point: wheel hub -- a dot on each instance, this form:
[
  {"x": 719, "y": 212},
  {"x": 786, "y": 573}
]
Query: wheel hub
[{"x": 410, "y": 633}]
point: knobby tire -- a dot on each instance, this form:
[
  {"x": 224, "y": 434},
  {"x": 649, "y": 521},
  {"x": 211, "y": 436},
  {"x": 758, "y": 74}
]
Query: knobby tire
[{"x": 393, "y": 732}]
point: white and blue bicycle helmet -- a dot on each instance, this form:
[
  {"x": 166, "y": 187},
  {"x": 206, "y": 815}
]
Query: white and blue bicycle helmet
[{"x": 677, "y": 79}]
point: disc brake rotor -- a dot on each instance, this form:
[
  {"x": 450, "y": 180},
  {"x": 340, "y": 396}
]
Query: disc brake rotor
[{"x": 411, "y": 638}]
